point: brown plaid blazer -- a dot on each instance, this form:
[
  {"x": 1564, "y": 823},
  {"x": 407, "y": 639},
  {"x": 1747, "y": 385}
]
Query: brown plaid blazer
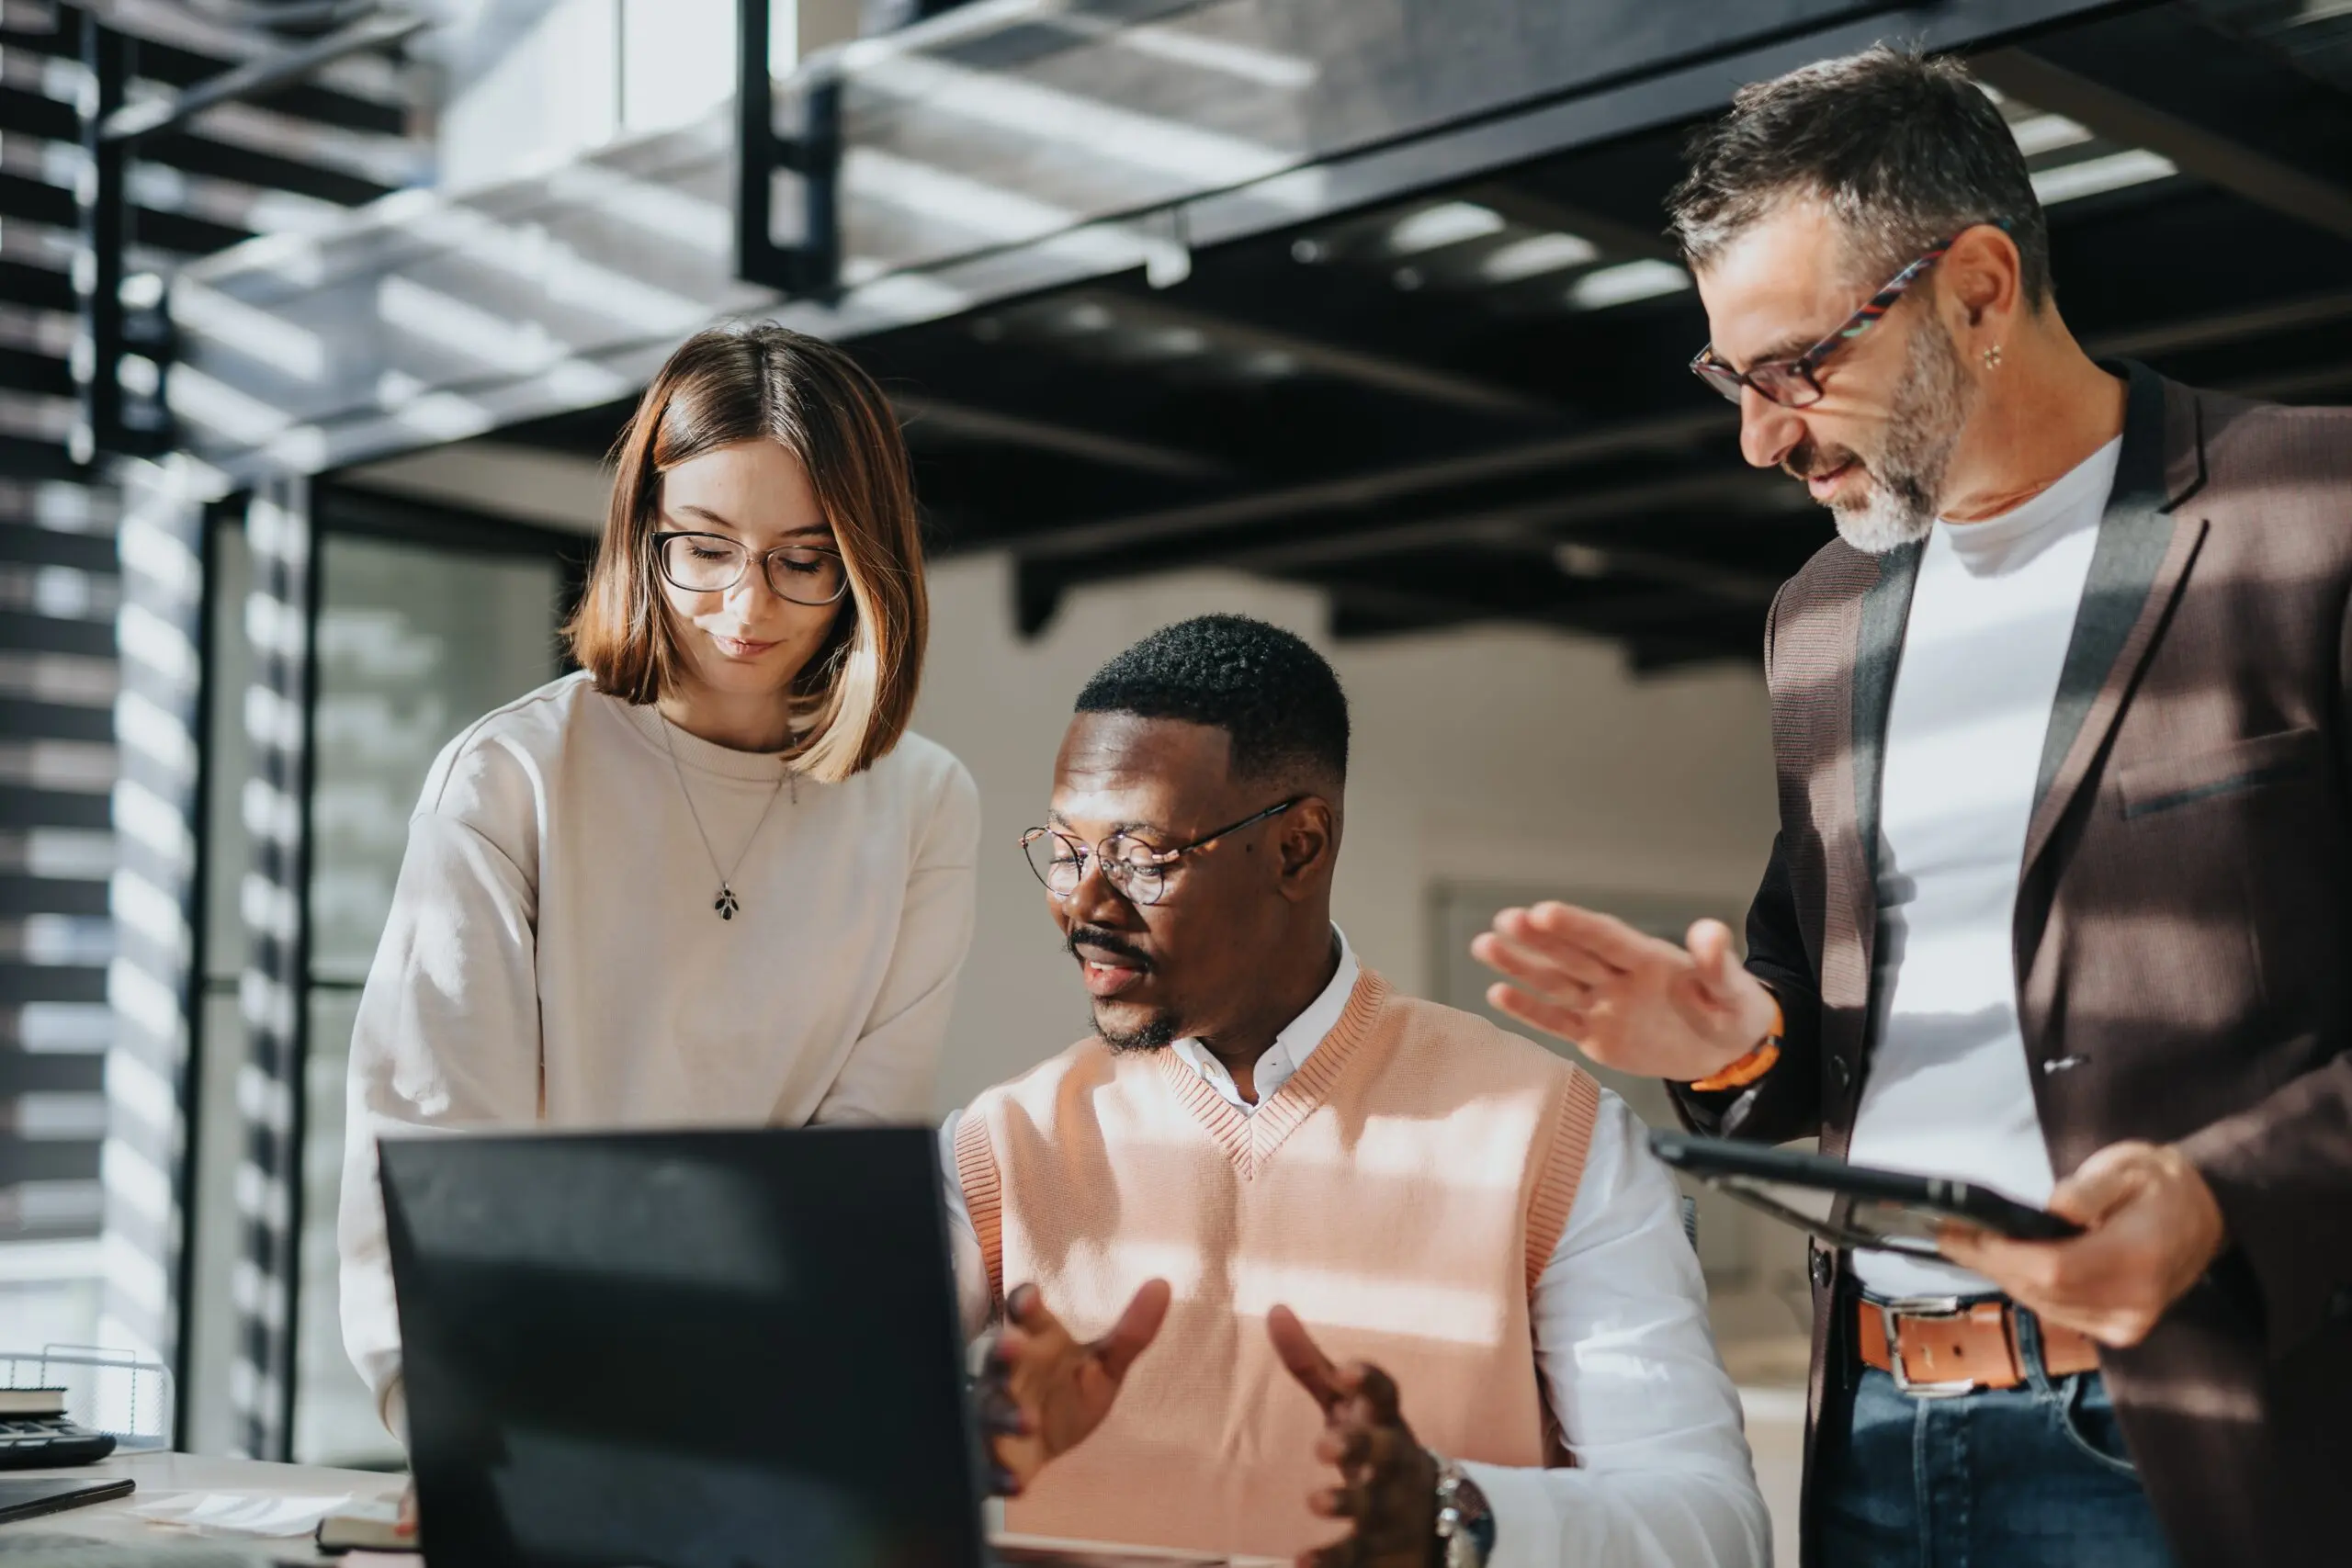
[{"x": 2183, "y": 933}]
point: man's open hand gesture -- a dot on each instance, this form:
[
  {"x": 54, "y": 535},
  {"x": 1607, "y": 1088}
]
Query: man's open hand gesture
[
  {"x": 1387, "y": 1489},
  {"x": 1628, "y": 1001},
  {"x": 1043, "y": 1391}
]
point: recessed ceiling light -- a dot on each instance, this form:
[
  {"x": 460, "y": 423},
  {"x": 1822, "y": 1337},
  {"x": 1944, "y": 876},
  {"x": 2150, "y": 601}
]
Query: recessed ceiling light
[
  {"x": 2094, "y": 176},
  {"x": 1176, "y": 343},
  {"x": 1626, "y": 282},
  {"x": 1537, "y": 255},
  {"x": 2037, "y": 134},
  {"x": 1448, "y": 223},
  {"x": 1584, "y": 562}
]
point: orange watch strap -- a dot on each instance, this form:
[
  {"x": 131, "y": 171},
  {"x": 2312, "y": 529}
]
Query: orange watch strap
[{"x": 1749, "y": 1069}]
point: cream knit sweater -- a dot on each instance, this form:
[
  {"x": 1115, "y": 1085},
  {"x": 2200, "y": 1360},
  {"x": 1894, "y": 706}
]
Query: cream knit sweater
[{"x": 552, "y": 954}]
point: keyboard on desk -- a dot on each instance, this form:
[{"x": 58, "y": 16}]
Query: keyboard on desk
[{"x": 37, "y": 1442}]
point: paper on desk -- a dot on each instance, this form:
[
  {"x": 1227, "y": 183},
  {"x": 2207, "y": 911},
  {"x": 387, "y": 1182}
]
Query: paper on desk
[{"x": 241, "y": 1513}]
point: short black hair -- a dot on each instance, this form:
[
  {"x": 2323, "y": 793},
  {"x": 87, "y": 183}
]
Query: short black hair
[
  {"x": 1907, "y": 149},
  {"x": 1276, "y": 697}
]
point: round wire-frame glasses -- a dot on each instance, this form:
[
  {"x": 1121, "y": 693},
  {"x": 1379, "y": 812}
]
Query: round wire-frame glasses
[
  {"x": 713, "y": 563},
  {"x": 1138, "y": 871}
]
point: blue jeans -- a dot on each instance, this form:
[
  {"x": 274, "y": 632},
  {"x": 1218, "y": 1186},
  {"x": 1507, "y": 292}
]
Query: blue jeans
[{"x": 2031, "y": 1477}]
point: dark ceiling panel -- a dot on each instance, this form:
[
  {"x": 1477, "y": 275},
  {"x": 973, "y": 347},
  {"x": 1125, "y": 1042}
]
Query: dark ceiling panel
[{"x": 1473, "y": 403}]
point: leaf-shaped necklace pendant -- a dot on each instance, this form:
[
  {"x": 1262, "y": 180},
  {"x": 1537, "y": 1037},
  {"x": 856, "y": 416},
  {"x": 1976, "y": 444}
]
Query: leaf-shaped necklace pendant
[{"x": 725, "y": 903}]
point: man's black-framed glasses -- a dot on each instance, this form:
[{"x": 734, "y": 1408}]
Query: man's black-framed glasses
[
  {"x": 1795, "y": 383},
  {"x": 1138, "y": 870},
  {"x": 713, "y": 563}
]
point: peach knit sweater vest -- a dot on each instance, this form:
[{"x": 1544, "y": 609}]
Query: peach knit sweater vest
[{"x": 1402, "y": 1193}]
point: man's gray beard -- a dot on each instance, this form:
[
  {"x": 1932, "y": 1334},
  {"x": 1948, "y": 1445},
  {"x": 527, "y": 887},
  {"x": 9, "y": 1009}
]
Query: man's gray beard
[
  {"x": 1931, "y": 403},
  {"x": 1158, "y": 1033}
]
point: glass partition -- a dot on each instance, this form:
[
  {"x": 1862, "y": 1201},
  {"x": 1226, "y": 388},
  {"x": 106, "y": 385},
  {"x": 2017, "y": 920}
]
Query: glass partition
[
  {"x": 415, "y": 643},
  {"x": 415, "y": 639}
]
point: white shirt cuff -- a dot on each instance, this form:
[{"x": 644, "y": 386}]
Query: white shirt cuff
[{"x": 1527, "y": 1523}]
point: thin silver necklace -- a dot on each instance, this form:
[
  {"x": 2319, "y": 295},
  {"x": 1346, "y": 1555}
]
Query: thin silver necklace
[{"x": 726, "y": 903}]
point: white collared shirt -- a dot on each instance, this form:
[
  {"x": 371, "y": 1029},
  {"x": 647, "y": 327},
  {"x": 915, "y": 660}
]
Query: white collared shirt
[
  {"x": 1663, "y": 1476},
  {"x": 1291, "y": 1047}
]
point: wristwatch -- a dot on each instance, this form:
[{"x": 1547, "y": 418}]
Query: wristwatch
[{"x": 1465, "y": 1526}]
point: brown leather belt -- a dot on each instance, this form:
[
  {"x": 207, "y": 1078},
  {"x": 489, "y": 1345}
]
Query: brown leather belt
[{"x": 1950, "y": 1349}]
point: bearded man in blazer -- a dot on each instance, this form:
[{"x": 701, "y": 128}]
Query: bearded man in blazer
[{"x": 2062, "y": 896}]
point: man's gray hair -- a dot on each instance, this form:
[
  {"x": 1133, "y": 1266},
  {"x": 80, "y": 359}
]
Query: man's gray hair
[{"x": 1907, "y": 150}]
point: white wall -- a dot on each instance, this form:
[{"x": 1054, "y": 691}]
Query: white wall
[{"x": 1491, "y": 755}]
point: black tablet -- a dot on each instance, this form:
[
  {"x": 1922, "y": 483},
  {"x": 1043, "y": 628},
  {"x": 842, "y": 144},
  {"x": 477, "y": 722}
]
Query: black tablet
[
  {"x": 1852, "y": 1206},
  {"x": 31, "y": 1499}
]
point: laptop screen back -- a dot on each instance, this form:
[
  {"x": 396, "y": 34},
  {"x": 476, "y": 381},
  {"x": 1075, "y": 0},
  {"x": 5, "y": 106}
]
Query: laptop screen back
[{"x": 682, "y": 1350}]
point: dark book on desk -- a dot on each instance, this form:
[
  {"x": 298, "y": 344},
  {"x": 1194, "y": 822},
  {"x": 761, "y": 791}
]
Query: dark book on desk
[
  {"x": 32, "y": 1401},
  {"x": 365, "y": 1527}
]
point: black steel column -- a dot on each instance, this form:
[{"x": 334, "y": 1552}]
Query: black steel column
[
  {"x": 809, "y": 263},
  {"x": 97, "y": 270}
]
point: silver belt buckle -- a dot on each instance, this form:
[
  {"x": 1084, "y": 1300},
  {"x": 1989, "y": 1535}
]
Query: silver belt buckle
[{"x": 1940, "y": 1307}]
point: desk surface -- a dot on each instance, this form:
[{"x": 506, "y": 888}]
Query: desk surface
[{"x": 160, "y": 1474}]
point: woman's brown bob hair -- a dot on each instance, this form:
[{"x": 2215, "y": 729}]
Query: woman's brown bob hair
[{"x": 766, "y": 382}]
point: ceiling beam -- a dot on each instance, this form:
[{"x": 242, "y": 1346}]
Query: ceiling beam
[
  {"x": 1424, "y": 603},
  {"x": 961, "y": 421},
  {"x": 1617, "y": 240},
  {"x": 1615, "y": 614},
  {"x": 2319, "y": 381},
  {"x": 2225, "y": 327},
  {"x": 1534, "y": 524},
  {"x": 1383, "y": 372},
  {"x": 1729, "y": 584},
  {"x": 260, "y": 77},
  {"x": 2205, "y": 155},
  {"x": 1375, "y": 487}
]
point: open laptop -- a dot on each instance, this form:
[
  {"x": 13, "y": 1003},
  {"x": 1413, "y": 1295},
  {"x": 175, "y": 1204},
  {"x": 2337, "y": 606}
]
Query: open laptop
[{"x": 714, "y": 1350}]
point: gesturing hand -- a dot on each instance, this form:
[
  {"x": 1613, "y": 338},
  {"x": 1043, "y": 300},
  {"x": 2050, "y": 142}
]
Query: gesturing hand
[
  {"x": 1388, "y": 1481},
  {"x": 1043, "y": 1391},
  {"x": 1628, "y": 1001},
  {"x": 2151, "y": 1227}
]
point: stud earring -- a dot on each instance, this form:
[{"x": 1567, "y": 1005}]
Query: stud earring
[{"x": 1992, "y": 357}]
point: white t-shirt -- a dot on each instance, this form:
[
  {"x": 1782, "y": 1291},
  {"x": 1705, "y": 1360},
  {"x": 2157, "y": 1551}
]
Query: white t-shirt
[
  {"x": 552, "y": 956},
  {"x": 1949, "y": 1090}
]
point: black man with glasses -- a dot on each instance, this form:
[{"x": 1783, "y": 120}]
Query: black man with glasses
[
  {"x": 2063, "y": 887},
  {"x": 1282, "y": 1262}
]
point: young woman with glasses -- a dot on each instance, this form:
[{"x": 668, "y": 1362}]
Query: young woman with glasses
[{"x": 711, "y": 877}]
